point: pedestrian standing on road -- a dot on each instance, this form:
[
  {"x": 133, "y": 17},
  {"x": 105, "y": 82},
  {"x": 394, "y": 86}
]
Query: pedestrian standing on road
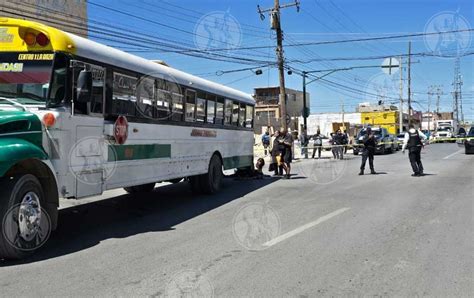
[
  {"x": 304, "y": 140},
  {"x": 318, "y": 143},
  {"x": 276, "y": 165},
  {"x": 333, "y": 143},
  {"x": 286, "y": 140},
  {"x": 368, "y": 151},
  {"x": 413, "y": 140},
  {"x": 345, "y": 141},
  {"x": 340, "y": 144},
  {"x": 266, "y": 142}
]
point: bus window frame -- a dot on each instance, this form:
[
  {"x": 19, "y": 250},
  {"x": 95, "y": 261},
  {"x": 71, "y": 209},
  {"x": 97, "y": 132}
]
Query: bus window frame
[{"x": 186, "y": 119}]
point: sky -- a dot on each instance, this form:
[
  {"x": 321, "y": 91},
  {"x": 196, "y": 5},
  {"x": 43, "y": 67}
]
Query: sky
[{"x": 167, "y": 30}]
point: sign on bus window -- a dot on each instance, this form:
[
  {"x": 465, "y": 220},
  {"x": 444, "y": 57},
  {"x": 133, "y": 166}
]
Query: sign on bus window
[
  {"x": 146, "y": 96},
  {"x": 124, "y": 94}
]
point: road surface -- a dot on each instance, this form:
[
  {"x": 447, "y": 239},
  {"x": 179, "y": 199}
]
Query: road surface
[{"x": 314, "y": 235}]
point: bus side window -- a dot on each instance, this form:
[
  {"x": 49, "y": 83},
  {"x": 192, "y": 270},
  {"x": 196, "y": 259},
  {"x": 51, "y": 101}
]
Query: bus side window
[
  {"x": 228, "y": 111},
  {"x": 201, "y": 107},
  {"x": 124, "y": 94},
  {"x": 220, "y": 111},
  {"x": 235, "y": 114},
  {"x": 249, "y": 117},
  {"x": 211, "y": 108},
  {"x": 164, "y": 99},
  {"x": 145, "y": 97},
  {"x": 242, "y": 115},
  {"x": 190, "y": 105}
]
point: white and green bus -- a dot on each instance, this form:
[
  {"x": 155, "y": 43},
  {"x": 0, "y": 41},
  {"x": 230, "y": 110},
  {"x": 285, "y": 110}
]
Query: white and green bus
[{"x": 78, "y": 118}]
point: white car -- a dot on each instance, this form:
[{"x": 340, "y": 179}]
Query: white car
[{"x": 326, "y": 142}]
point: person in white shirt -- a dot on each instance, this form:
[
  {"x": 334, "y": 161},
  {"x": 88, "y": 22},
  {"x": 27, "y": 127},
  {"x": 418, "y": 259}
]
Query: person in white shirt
[{"x": 413, "y": 140}]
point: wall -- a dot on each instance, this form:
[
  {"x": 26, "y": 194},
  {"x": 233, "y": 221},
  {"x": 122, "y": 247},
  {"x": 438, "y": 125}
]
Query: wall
[
  {"x": 325, "y": 120},
  {"x": 388, "y": 119}
]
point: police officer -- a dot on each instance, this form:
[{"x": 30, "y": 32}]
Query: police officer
[
  {"x": 368, "y": 151},
  {"x": 413, "y": 140}
]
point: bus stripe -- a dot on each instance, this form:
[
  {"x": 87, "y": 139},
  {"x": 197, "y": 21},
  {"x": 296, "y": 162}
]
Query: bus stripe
[{"x": 133, "y": 152}]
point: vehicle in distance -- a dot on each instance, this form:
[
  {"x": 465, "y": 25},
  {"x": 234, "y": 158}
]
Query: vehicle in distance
[
  {"x": 469, "y": 141},
  {"x": 326, "y": 142},
  {"x": 384, "y": 141}
]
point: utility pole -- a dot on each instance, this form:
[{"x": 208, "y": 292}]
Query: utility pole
[
  {"x": 409, "y": 84},
  {"x": 400, "y": 111},
  {"x": 457, "y": 83},
  {"x": 430, "y": 115},
  {"x": 276, "y": 25},
  {"x": 438, "y": 98}
]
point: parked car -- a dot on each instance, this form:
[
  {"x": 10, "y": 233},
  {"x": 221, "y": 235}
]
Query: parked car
[
  {"x": 385, "y": 142},
  {"x": 468, "y": 142},
  {"x": 400, "y": 138}
]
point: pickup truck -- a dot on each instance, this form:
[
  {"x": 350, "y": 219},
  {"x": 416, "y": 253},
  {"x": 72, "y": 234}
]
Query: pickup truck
[{"x": 385, "y": 142}]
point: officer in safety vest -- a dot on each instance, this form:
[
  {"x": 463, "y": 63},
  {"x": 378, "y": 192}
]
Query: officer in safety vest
[{"x": 414, "y": 142}]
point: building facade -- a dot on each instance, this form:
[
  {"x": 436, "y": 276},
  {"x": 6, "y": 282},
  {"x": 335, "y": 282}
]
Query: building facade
[
  {"x": 67, "y": 15},
  {"x": 268, "y": 109}
]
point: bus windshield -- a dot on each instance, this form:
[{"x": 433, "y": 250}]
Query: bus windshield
[{"x": 25, "y": 77}]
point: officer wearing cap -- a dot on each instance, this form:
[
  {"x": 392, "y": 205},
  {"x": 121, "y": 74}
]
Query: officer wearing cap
[{"x": 413, "y": 140}]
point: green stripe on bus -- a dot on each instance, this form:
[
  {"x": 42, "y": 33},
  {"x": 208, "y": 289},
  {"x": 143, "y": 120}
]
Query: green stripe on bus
[
  {"x": 238, "y": 161},
  {"x": 133, "y": 152}
]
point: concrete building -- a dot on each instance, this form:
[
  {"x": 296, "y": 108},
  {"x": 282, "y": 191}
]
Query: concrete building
[
  {"x": 268, "y": 111},
  {"x": 67, "y": 15},
  {"x": 329, "y": 122}
]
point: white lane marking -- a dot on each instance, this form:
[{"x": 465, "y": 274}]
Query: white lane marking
[
  {"x": 304, "y": 227},
  {"x": 452, "y": 154}
]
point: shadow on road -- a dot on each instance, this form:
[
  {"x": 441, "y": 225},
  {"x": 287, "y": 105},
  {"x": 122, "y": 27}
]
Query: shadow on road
[{"x": 123, "y": 216}]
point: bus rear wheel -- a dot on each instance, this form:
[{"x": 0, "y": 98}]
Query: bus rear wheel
[
  {"x": 140, "y": 188},
  {"x": 212, "y": 181},
  {"x": 25, "y": 226}
]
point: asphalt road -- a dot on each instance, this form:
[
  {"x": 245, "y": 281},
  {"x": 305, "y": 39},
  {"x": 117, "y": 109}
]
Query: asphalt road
[{"x": 326, "y": 232}]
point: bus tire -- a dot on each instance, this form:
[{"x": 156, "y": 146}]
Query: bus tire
[
  {"x": 27, "y": 191},
  {"x": 140, "y": 188},
  {"x": 212, "y": 181}
]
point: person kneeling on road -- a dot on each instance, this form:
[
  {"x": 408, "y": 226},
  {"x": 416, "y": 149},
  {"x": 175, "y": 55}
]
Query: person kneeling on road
[{"x": 414, "y": 141}]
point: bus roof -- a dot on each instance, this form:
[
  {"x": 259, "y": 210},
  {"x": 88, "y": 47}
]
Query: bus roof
[{"x": 62, "y": 41}]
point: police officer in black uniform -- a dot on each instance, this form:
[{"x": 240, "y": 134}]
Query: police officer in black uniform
[
  {"x": 368, "y": 151},
  {"x": 413, "y": 141}
]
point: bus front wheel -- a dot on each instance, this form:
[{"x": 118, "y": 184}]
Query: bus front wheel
[{"x": 25, "y": 225}]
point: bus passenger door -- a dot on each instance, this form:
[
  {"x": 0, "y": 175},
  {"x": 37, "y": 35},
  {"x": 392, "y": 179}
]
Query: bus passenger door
[{"x": 89, "y": 153}]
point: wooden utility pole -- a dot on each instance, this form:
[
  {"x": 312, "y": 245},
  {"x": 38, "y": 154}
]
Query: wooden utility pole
[
  {"x": 400, "y": 111},
  {"x": 409, "y": 84},
  {"x": 276, "y": 25}
]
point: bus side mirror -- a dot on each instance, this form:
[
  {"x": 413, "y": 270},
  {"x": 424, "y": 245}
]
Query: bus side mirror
[{"x": 84, "y": 87}]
